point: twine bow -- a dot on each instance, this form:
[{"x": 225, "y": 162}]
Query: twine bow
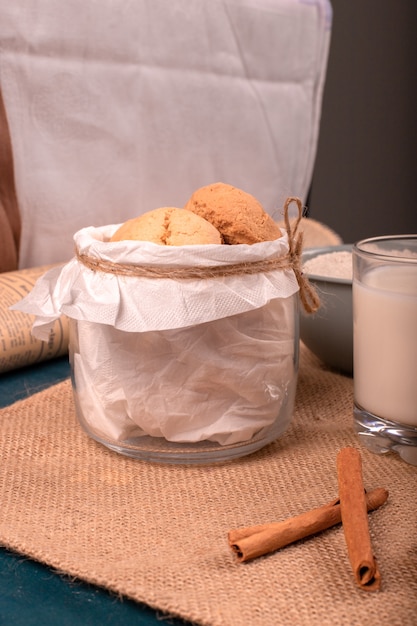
[
  {"x": 292, "y": 260},
  {"x": 308, "y": 294}
]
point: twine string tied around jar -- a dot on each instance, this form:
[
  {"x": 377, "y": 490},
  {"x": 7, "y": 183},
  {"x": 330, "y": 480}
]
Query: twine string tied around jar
[
  {"x": 291, "y": 260},
  {"x": 308, "y": 295}
]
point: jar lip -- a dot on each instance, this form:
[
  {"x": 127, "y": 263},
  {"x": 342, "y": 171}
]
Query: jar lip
[{"x": 403, "y": 248}]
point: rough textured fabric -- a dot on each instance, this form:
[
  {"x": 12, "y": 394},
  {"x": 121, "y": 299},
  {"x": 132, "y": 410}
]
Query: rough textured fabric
[{"x": 158, "y": 534}]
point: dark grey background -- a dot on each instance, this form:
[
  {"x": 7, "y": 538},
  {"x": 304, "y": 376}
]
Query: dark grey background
[{"x": 365, "y": 177}]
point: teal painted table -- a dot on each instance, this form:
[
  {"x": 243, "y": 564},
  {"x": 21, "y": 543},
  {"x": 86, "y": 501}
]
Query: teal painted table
[{"x": 32, "y": 594}]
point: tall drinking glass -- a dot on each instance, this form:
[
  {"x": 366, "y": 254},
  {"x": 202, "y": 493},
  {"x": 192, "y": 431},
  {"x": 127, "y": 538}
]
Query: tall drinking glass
[{"x": 385, "y": 344}]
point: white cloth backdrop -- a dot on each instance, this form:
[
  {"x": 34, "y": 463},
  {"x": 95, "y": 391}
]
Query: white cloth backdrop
[{"x": 117, "y": 107}]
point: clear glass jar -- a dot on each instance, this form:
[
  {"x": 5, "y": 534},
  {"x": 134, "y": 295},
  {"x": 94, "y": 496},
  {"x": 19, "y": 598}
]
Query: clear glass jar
[{"x": 202, "y": 394}]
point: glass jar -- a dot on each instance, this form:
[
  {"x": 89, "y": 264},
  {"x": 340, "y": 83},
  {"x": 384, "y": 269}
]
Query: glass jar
[{"x": 201, "y": 394}]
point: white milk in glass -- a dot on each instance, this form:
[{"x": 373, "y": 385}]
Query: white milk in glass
[{"x": 385, "y": 343}]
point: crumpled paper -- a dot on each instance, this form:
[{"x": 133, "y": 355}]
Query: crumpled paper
[
  {"x": 188, "y": 360},
  {"x": 221, "y": 381}
]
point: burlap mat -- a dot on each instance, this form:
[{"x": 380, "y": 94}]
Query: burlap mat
[{"x": 157, "y": 534}]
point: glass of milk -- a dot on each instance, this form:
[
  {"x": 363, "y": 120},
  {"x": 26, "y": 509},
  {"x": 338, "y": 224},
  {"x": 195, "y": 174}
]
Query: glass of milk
[{"x": 385, "y": 344}]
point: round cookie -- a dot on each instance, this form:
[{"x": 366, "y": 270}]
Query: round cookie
[
  {"x": 169, "y": 226},
  {"x": 237, "y": 215}
]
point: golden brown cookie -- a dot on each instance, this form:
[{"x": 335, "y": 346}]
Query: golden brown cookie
[
  {"x": 237, "y": 215},
  {"x": 169, "y": 226}
]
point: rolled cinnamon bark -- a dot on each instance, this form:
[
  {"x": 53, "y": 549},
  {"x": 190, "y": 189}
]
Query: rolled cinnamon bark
[
  {"x": 355, "y": 519},
  {"x": 253, "y": 541}
]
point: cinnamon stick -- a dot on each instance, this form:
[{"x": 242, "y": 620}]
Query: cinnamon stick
[
  {"x": 253, "y": 541},
  {"x": 355, "y": 519}
]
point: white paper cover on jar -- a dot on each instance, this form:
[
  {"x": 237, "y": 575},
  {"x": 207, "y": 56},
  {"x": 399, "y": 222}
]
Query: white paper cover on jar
[
  {"x": 134, "y": 304},
  {"x": 118, "y": 107}
]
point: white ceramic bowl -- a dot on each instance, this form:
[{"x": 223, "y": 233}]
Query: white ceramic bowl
[{"x": 329, "y": 332}]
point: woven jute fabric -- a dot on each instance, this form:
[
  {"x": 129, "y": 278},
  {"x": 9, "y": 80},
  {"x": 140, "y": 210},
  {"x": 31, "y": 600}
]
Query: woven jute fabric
[{"x": 158, "y": 533}]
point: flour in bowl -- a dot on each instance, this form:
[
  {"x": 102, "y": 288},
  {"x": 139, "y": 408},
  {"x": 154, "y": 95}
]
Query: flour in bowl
[{"x": 336, "y": 264}]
